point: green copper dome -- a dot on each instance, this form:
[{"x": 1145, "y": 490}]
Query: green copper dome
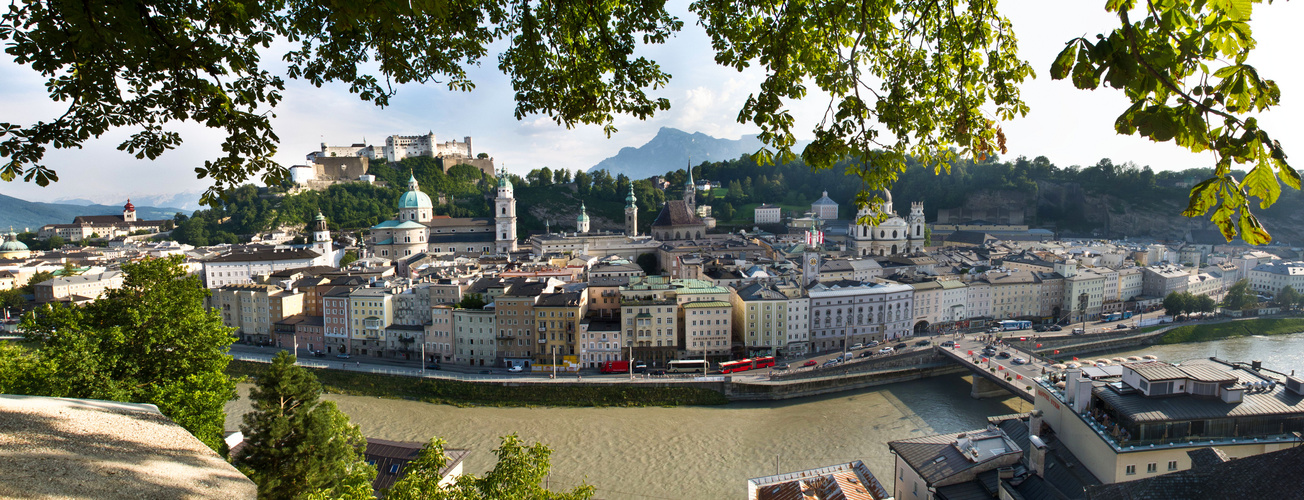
[
  {"x": 414, "y": 198},
  {"x": 630, "y": 199},
  {"x": 503, "y": 182},
  {"x": 11, "y": 243},
  {"x": 584, "y": 216}
]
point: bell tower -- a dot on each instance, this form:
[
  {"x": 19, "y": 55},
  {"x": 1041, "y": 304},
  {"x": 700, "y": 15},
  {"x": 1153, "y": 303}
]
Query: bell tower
[
  {"x": 631, "y": 213},
  {"x": 505, "y": 215},
  {"x": 690, "y": 190}
]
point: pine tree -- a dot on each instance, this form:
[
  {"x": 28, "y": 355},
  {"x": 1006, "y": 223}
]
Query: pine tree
[{"x": 296, "y": 443}]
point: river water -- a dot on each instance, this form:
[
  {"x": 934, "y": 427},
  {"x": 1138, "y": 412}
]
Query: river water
[{"x": 710, "y": 452}]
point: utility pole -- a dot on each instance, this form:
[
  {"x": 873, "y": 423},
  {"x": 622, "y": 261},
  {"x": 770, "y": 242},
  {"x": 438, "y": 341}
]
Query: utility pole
[
  {"x": 423, "y": 356},
  {"x": 630, "y": 364},
  {"x": 554, "y": 361}
]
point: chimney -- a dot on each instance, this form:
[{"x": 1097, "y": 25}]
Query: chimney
[
  {"x": 1034, "y": 423},
  {"x": 1037, "y": 455}
]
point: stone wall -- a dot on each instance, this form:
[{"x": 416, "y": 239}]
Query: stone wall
[{"x": 761, "y": 391}]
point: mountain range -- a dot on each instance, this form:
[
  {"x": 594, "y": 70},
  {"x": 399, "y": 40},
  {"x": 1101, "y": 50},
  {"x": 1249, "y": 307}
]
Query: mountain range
[
  {"x": 673, "y": 149},
  {"x": 22, "y": 214}
]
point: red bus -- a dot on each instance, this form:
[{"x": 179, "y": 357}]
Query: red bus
[
  {"x": 615, "y": 366},
  {"x": 747, "y": 364}
]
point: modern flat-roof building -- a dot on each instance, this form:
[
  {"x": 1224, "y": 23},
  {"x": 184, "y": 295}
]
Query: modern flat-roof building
[{"x": 1139, "y": 420}]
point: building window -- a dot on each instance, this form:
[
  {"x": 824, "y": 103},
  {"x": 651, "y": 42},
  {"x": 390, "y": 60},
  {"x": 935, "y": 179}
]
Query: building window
[
  {"x": 1172, "y": 465},
  {"x": 1131, "y": 470},
  {"x": 1152, "y": 467}
]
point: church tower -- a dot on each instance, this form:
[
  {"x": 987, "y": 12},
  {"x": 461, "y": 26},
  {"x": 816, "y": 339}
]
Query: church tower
[
  {"x": 917, "y": 229},
  {"x": 631, "y": 213},
  {"x": 505, "y": 215},
  {"x": 690, "y": 190},
  {"x": 129, "y": 212},
  {"x": 415, "y": 205},
  {"x": 582, "y": 221},
  {"x": 321, "y": 240},
  {"x": 862, "y": 235}
]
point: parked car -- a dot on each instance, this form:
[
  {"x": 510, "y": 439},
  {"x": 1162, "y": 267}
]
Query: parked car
[
  {"x": 342, "y": 356},
  {"x": 922, "y": 343},
  {"x": 432, "y": 366},
  {"x": 1122, "y": 327},
  {"x": 1003, "y": 355},
  {"x": 781, "y": 366},
  {"x": 486, "y": 372},
  {"x": 809, "y": 364},
  {"x": 994, "y": 329},
  {"x": 949, "y": 343},
  {"x": 640, "y": 368},
  {"x": 663, "y": 372},
  {"x": 857, "y": 346},
  {"x": 886, "y": 350},
  {"x": 1040, "y": 328},
  {"x": 1055, "y": 328},
  {"x": 900, "y": 346},
  {"x": 319, "y": 354},
  {"x": 830, "y": 362},
  {"x": 516, "y": 369},
  {"x": 1018, "y": 361},
  {"x": 1079, "y": 331},
  {"x": 866, "y": 354}
]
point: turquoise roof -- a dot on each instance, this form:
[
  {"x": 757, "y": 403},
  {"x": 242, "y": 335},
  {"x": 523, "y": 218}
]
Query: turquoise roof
[
  {"x": 583, "y": 214},
  {"x": 502, "y": 179},
  {"x": 393, "y": 224},
  {"x": 630, "y": 199},
  {"x": 12, "y": 244},
  {"x": 415, "y": 199}
]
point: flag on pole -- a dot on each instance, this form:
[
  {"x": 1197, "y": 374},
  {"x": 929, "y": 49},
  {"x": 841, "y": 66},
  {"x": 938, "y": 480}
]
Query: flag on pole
[
  {"x": 999, "y": 367},
  {"x": 1018, "y": 377},
  {"x": 1038, "y": 346},
  {"x": 1075, "y": 358},
  {"x": 970, "y": 352},
  {"x": 1056, "y": 351}
]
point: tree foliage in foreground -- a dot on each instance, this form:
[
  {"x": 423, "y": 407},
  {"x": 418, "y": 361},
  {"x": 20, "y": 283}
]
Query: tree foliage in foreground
[
  {"x": 905, "y": 79},
  {"x": 518, "y": 475},
  {"x": 297, "y": 444},
  {"x": 151, "y": 341}
]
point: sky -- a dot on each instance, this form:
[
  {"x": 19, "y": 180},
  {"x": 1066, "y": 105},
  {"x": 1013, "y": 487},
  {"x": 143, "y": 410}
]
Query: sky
[{"x": 1068, "y": 126}]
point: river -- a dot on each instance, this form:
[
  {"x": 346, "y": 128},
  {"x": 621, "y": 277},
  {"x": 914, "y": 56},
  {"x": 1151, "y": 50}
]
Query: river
[
  {"x": 709, "y": 452},
  {"x": 687, "y": 452}
]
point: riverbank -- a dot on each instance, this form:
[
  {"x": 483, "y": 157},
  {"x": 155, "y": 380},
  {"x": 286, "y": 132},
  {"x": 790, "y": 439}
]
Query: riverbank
[
  {"x": 1231, "y": 329},
  {"x": 458, "y": 393}
]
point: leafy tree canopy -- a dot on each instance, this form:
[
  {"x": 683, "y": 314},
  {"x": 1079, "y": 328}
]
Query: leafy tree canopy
[
  {"x": 905, "y": 79},
  {"x": 151, "y": 341},
  {"x": 518, "y": 475},
  {"x": 297, "y": 444}
]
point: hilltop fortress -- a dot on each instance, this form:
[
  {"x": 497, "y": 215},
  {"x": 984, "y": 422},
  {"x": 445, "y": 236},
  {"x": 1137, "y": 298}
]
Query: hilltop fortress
[{"x": 336, "y": 164}]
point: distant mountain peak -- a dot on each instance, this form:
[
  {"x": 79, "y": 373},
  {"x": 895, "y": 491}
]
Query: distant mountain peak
[{"x": 673, "y": 149}]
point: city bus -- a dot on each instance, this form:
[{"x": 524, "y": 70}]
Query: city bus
[
  {"x": 1011, "y": 324},
  {"x": 747, "y": 364},
  {"x": 686, "y": 366}
]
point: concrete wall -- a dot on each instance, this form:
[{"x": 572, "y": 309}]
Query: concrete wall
[
  {"x": 863, "y": 365},
  {"x": 742, "y": 391}
]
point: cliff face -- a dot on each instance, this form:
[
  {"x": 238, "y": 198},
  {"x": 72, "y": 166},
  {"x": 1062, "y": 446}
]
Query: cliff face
[{"x": 1071, "y": 211}]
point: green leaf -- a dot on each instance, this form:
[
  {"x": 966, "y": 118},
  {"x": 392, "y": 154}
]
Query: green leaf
[
  {"x": 1289, "y": 175},
  {"x": 1252, "y": 231},
  {"x": 1261, "y": 183},
  {"x": 1203, "y": 197},
  {"x": 1064, "y": 62}
]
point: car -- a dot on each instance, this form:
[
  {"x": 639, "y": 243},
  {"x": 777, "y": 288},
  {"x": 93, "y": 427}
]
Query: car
[
  {"x": 516, "y": 369},
  {"x": 640, "y": 368},
  {"x": 873, "y": 343},
  {"x": 809, "y": 363},
  {"x": 949, "y": 343},
  {"x": 857, "y": 346},
  {"x": 1122, "y": 327},
  {"x": 781, "y": 366},
  {"x": 994, "y": 329},
  {"x": 486, "y": 372},
  {"x": 866, "y": 354},
  {"x": 1055, "y": 328},
  {"x": 989, "y": 352},
  {"x": 319, "y": 354},
  {"x": 342, "y": 356},
  {"x": 1079, "y": 331},
  {"x": 663, "y": 372},
  {"x": 922, "y": 343},
  {"x": 1003, "y": 355},
  {"x": 432, "y": 366},
  {"x": 886, "y": 350},
  {"x": 1018, "y": 361},
  {"x": 1040, "y": 328},
  {"x": 830, "y": 362},
  {"x": 900, "y": 346}
]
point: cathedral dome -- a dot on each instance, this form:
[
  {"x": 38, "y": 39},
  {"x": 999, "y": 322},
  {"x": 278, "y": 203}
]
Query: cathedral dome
[
  {"x": 11, "y": 248},
  {"x": 415, "y": 199}
]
